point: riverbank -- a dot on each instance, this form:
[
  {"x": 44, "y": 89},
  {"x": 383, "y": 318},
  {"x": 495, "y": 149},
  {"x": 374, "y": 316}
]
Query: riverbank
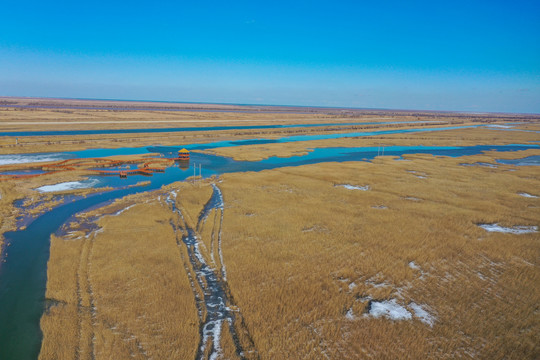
[
  {"x": 23, "y": 119},
  {"x": 308, "y": 282},
  {"x": 459, "y": 137},
  {"x": 327, "y": 252}
]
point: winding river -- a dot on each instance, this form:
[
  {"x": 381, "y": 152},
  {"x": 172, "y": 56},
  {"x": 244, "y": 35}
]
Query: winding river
[{"x": 23, "y": 265}]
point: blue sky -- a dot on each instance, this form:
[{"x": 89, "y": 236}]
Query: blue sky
[{"x": 454, "y": 55}]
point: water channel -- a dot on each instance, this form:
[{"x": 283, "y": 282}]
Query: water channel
[
  {"x": 23, "y": 266},
  {"x": 202, "y": 128}
]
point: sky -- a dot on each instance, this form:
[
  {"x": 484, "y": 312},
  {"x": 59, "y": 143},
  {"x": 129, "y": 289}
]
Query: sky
[{"x": 474, "y": 55}]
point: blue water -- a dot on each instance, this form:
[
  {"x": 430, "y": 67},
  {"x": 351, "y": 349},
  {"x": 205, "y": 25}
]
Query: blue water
[
  {"x": 23, "y": 275},
  {"x": 23, "y": 172},
  {"x": 526, "y": 161},
  {"x": 189, "y": 129},
  {"x": 215, "y": 165},
  {"x": 91, "y": 153}
]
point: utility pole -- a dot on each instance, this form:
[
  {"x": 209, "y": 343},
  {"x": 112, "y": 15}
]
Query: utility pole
[
  {"x": 200, "y": 171},
  {"x": 194, "y": 170}
]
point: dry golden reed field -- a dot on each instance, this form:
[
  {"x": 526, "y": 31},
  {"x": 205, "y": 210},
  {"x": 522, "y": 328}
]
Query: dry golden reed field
[
  {"x": 355, "y": 260},
  {"x": 305, "y": 258}
]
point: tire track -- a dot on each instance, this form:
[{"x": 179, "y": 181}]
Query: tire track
[
  {"x": 216, "y": 299},
  {"x": 87, "y": 310}
]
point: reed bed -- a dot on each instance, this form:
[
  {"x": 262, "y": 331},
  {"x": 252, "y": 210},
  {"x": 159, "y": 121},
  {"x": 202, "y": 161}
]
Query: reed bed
[
  {"x": 120, "y": 293},
  {"x": 461, "y": 137},
  {"x": 305, "y": 258}
]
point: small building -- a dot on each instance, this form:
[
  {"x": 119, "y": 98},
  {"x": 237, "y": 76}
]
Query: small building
[{"x": 183, "y": 154}]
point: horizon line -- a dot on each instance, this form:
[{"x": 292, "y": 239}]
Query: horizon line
[{"x": 270, "y": 105}]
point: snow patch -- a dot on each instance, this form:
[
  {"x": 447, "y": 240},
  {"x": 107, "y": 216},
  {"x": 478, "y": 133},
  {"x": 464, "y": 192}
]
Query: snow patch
[
  {"x": 500, "y": 126},
  {"x": 527, "y": 195},
  {"x": 70, "y": 185},
  {"x": 509, "y": 230},
  {"x": 390, "y": 309},
  {"x": 122, "y": 210},
  {"x": 30, "y": 158},
  {"x": 353, "y": 187},
  {"x": 419, "y": 175},
  {"x": 350, "y": 314},
  {"x": 412, "y": 265},
  {"x": 482, "y": 164},
  {"x": 422, "y": 314}
]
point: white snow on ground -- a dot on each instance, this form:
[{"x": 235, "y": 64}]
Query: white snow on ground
[
  {"x": 220, "y": 195},
  {"x": 390, "y": 309},
  {"x": 23, "y": 159},
  {"x": 350, "y": 314},
  {"x": 122, "y": 210},
  {"x": 510, "y": 230},
  {"x": 524, "y": 194},
  {"x": 418, "y": 174},
  {"x": 422, "y": 314},
  {"x": 482, "y": 164},
  {"x": 500, "y": 126},
  {"x": 70, "y": 185},
  {"x": 412, "y": 265},
  {"x": 217, "y": 337},
  {"x": 352, "y": 187},
  {"x": 352, "y": 286},
  {"x": 94, "y": 233}
]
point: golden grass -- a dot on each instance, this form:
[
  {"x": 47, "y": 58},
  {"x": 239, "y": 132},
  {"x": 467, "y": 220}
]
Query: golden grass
[
  {"x": 293, "y": 243},
  {"x": 461, "y": 137},
  {"x": 32, "y": 144},
  {"x": 121, "y": 293},
  {"x": 301, "y": 253},
  {"x": 23, "y": 189},
  {"x": 21, "y": 119}
]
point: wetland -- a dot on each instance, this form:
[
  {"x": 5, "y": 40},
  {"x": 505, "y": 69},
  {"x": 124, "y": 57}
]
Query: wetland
[{"x": 260, "y": 247}]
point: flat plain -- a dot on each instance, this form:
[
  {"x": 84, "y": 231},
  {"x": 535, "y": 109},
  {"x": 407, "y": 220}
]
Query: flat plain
[{"x": 387, "y": 258}]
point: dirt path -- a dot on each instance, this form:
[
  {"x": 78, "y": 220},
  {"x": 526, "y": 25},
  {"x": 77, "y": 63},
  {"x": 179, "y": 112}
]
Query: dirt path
[{"x": 217, "y": 312}]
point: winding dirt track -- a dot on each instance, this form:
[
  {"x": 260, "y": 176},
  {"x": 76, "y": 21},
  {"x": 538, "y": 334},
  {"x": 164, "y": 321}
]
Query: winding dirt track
[{"x": 217, "y": 312}]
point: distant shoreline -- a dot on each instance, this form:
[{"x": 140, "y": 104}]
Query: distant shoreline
[{"x": 149, "y": 105}]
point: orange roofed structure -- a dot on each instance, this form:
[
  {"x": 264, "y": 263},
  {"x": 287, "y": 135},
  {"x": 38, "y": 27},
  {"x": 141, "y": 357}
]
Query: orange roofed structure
[{"x": 183, "y": 154}]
